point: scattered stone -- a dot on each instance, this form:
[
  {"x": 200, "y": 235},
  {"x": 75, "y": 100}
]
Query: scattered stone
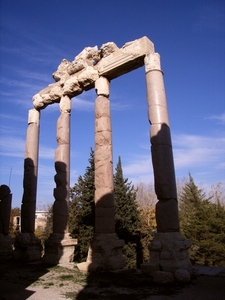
[
  {"x": 182, "y": 275},
  {"x": 163, "y": 277}
]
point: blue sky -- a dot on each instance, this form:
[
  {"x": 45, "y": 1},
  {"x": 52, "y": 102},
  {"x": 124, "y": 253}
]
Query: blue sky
[{"x": 190, "y": 37}]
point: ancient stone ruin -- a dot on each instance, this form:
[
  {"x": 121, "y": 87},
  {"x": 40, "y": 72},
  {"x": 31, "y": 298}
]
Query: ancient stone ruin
[
  {"x": 95, "y": 68},
  {"x": 5, "y": 209}
]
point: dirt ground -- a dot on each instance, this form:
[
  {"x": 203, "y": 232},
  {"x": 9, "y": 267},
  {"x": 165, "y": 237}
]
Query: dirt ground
[{"x": 20, "y": 281}]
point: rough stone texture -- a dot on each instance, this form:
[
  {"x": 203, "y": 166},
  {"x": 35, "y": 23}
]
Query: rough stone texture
[
  {"x": 163, "y": 277},
  {"x": 49, "y": 95},
  {"x": 129, "y": 57},
  {"x": 108, "y": 48},
  {"x": 105, "y": 253},
  {"x": 169, "y": 250},
  {"x": 59, "y": 249},
  {"x": 27, "y": 247},
  {"x": 72, "y": 87},
  {"x": 80, "y": 74},
  {"x": 95, "y": 68},
  {"x": 182, "y": 275},
  {"x": 65, "y": 104},
  {"x": 102, "y": 87},
  {"x": 104, "y": 198}
]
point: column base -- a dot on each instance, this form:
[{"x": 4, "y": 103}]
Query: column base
[
  {"x": 5, "y": 246},
  {"x": 105, "y": 253},
  {"x": 27, "y": 247},
  {"x": 59, "y": 249},
  {"x": 169, "y": 254}
]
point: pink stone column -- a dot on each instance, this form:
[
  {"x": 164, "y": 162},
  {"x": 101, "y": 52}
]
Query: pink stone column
[
  {"x": 62, "y": 167},
  {"x": 105, "y": 250},
  {"x": 28, "y": 206},
  {"x": 161, "y": 147},
  {"x": 104, "y": 194},
  {"x": 59, "y": 247}
]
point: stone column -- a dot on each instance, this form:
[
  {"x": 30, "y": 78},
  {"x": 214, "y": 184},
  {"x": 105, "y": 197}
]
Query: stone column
[
  {"x": 5, "y": 210},
  {"x": 27, "y": 246},
  {"x": 169, "y": 250},
  {"x": 59, "y": 248},
  {"x": 105, "y": 251}
]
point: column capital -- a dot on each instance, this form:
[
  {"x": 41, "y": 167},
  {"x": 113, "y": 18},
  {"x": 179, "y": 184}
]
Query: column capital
[
  {"x": 152, "y": 62},
  {"x": 65, "y": 104},
  {"x": 102, "y": 86},
  {"x": 33, "y": 116}
]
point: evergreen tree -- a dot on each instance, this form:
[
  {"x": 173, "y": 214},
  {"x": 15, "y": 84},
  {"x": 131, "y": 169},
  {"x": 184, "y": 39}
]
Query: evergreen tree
[
  {"x": 127, "y": 219},
  {"x": 82, "y": 207},
  {"x": 203, "y": 223}
]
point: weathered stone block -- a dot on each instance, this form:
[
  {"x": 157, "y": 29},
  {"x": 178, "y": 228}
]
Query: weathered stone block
[
  {"x": 105, "y": 252},
  {"x": 167, "y": 216},
  {"x": 182, "y": 275},
  {"x": 102, "y": 87},
  {"x": 152, "y": 62},
  {"x": 163, "y": 277},
  {"x": 59, "y": 249},
  {"x": 33, "y": 116},
  {"x": 72, "y": 87},
  {"x": 129, "y": 57},
  {"x": 148, "y": 269}
]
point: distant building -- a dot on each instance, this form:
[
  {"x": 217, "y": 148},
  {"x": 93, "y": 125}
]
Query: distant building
[{"x": 40, "y": 220}]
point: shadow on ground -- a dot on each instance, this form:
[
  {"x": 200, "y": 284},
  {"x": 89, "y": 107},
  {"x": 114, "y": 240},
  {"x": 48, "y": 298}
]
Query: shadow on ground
[
  {"x": 22, "y": 281},
  {"x": 124, "y": 284},
  {"x": 15, "y": 277}
]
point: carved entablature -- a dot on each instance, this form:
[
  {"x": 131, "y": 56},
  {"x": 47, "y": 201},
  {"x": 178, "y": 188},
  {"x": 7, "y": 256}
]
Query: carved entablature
[{"x": 72, "y": 78}]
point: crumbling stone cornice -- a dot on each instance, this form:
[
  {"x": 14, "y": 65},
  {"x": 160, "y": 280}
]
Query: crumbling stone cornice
[{"x": 72, "y": 78}]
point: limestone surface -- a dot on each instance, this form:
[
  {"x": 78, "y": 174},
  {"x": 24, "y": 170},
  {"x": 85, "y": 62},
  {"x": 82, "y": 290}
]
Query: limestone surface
[{"x": 72, "y": 78}]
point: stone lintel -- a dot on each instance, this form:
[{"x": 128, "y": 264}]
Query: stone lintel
[
  {"x": 129, "y": 57},
  {"x": 72, "y": 78}
]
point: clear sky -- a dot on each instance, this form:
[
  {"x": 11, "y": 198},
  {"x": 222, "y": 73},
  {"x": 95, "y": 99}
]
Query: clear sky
[{"x": 190, "y": 37}]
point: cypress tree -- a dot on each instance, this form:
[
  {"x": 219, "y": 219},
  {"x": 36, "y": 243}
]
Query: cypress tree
[
  {"x": 127, "y": 219},
  {"x": 82, "y": 210},
  {"x": 203, "y": 223}
]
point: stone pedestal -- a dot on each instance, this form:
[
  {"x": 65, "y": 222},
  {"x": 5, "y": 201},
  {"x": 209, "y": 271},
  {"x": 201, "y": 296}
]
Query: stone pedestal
[
  {"x": 105, "y": 253},
  {"x": 5, "y": 245},
  {"x": 27, "y": 247},
  {"x": 169, "y": 253},
  {"x": 59, "y": 249}
]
